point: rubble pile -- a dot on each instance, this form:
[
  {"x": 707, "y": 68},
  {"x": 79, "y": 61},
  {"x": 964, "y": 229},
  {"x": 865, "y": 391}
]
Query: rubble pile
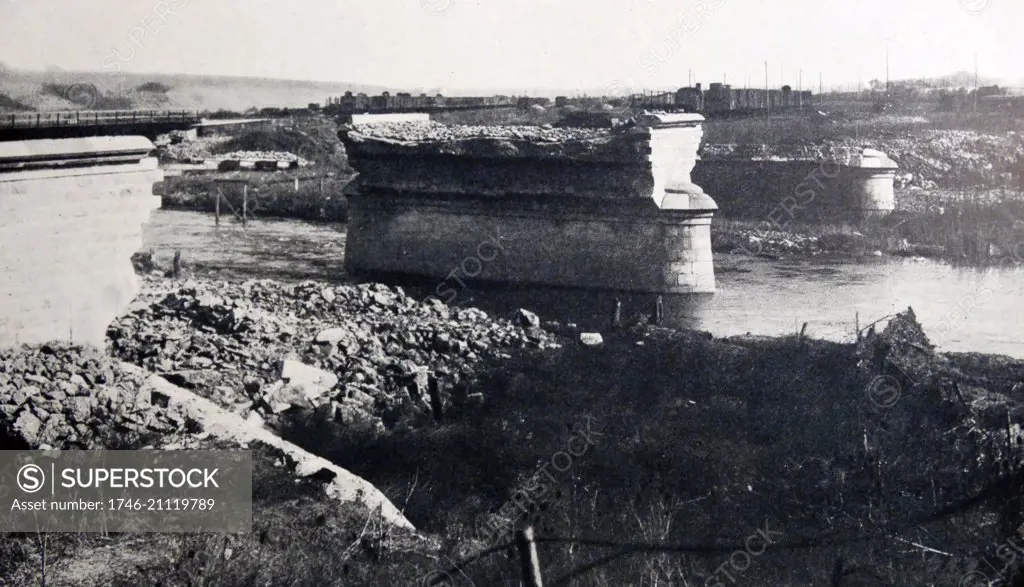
[
  {"x": 59, "y": 396},
  {"x": 950, "y": 159},
  {"x": 262, "y": 156},
  {"x": 837, "y": 153},
  {"x": 768, "y": 241},
  {"x": 430, "y": 131},
  {"x": 205, "y": 149},
  {"x": 541, "y": 142},
  {"x": 362, "y": 354},
  {"x": 195, "y": 151}
]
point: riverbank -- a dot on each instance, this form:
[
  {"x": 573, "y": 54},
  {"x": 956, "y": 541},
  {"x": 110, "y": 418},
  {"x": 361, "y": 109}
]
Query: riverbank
[{"x": 649, "y": 436}]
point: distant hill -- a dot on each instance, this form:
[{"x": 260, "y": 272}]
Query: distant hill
[{"x": 64, "y": 90}]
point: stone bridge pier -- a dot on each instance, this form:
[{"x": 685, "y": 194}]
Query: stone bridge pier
[{"x": 609, "y": 210}]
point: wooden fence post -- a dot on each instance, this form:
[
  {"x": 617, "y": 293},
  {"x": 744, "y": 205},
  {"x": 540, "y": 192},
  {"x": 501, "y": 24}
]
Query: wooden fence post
[
  {"x": 216, "y": 209},
  {"x": 245, "y": 205},
  {"x": 617, "y": 314},
  {"x": 528, "y": 557},
  {"x": 659, "y": 311},
  {"x": 435, "y": 398}
]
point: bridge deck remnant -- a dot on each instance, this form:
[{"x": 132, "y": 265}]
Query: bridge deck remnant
[{"x": 56, "y": 125}]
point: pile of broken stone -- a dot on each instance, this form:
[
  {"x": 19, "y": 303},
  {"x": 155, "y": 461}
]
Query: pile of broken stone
[
  {"x": 262, "y": 156},
  {"x": 430, "y": 131},
  {"x": 359, "y": 354},
  {"x": 493, "y": 141},
  {"x": 363, "y": 355},
  {"x": 65, "y": 397}
]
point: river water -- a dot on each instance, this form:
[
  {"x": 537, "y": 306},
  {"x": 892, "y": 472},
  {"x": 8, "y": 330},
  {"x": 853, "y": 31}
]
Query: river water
[{"x": 961, "y": 309}]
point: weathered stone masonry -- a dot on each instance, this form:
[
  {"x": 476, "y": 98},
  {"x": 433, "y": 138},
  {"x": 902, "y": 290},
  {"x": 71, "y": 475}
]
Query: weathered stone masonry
[
  {"x": 617, "y": 213},
  {"x": 840, "y": 187},
  {"x": 71, "y": 216}
]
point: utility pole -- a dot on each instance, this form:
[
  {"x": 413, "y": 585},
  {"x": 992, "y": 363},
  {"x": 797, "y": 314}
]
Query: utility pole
[
  {"x": 975, "y": 82},
  {"x": 821, "y": 94},
  {"x": 887, "y": 89},
  {"x": 767, "y": 95}
]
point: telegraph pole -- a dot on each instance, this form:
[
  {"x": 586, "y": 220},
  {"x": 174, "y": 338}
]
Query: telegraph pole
[
  {"x": 800, "y": 88},
  {"x": 887, "y": 89},
  {"x": 975, "y": 82}
]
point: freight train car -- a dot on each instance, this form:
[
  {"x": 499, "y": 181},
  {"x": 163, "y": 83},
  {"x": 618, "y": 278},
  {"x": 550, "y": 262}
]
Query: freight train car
[
  {"x": 405, "y": 102},
  {"x": 721, "y": 99}
]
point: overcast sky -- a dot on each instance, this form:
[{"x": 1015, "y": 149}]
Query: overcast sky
[{"x": 519, "y": 43}]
